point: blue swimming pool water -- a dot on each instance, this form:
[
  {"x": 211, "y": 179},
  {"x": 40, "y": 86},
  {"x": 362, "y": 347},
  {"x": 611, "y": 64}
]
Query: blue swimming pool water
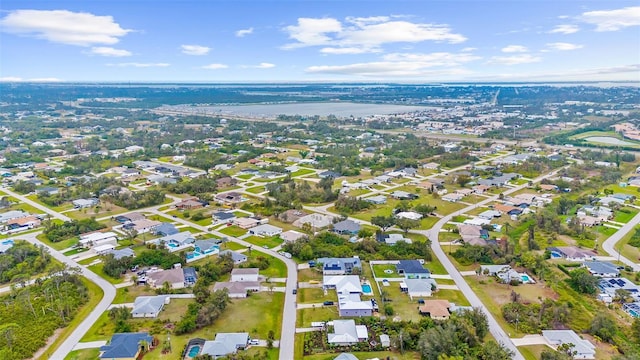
[
  {"x": 172, "y": 245},
  {"x": 525, "y": 278},
  {"x": 194, "y": 351},
  {"x": 366, "y": 288}
]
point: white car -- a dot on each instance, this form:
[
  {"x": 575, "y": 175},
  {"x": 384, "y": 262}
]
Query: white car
[{"x": 254, "y": 342}]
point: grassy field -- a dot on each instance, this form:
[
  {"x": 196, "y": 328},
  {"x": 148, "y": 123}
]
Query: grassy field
[
  {"x": 256, "y": 189},
  {"x": 86, "y": 354},
  {"x": 322, "y": 313},
  {"x": 309, "y": 274},
  {"x": 234, "y": 231},
  {"x": 302, "y": 172},
  {"x": 625, "y": 215},
  {"x": 130, "y": 293},
  {"x": 276, "y": 268},
  {"x": 315, "y": 295},
  {"x": 408, "y": 355},
  {"x": 97, "y": 268},
  {"x": 630, "y": 252},
  {"x": 268, "y": 242},
  {"x": 95, "y": 295},
  {"x": 532, "y": 352},
  {"x": 60, "y": 245}
]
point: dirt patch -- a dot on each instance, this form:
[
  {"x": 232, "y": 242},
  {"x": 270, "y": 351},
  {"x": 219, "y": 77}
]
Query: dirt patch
[
  {"x": 529, "y": 293},
  {"x": 46, "y": 346}
]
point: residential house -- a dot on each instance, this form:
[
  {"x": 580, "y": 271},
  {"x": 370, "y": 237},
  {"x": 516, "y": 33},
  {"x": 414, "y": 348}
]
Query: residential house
[
  {"x": 141, "y": 226},
  {"x": 85, "y": 203},
  {"x": 346, "y": 356},
  {"x": 130, "y": 217},
  {"x": 126, "y": 346},
  {"x": 348, "y": 289},
  {"x": 226, "y": 182},
  {"x": 237, "y": 257},
  {"x": 548, "y": 187},
  {"x": 190, "y": 204},
  {"x": 582, "y": 349},
  {"x": 436, "y": 309},
  {"x": 12, "y": 214},
  {"x": 346, "y": 227},
  {"x": 174, "y": 277},
  {"x": 246, "y": 222},
  {"x": 121, "y": 253},
  {"x": 385, "y": 341},
  {"x": 498, "y": 181},
  {"x": 346, "y": 332},
  {"x": 391, "y": 239},
  {"x": 602, "y": 269},
  {"x": 221, "y": 217},
  {"x": 175, "y": 242},
  {"x": 589, "y": 221},
  {"x": 316, "y": 221},
  {"x": 611, "y": 285},
  {"x": 606, "y": 200},
  {"x": 265, "y": 230},
  {"x": 412, "y": 269},
  {"x": 339, "y": 266},
  {"x": 232, "y": 197},
  {"x": 481, "y": 189},
  {"x": 376, "y": 200},
  {"x": 291, "y": 215},
  {"x": 411, "y": 215},
  {"x": 452, "y": 197},
  {"x": 571, "y": 253},
  {"x": 329, "y": 174},
  {"x": 23, "y": 223},
  {"x": 292, "y": 236},
  {"x": 225, "y": 344},
  {"x": 238, "y": 290},
  {"x": 245, "y": 274},
  {"x": 48, "y": 190},
  {"x": 97, "y": 240},
  {"x": 431, "y": 166},
  {"x": 160, "y": 179},
  {"x": 165, "y": 229},
  {"x": 190, "y": 276},
  {"x": 508, "y": 209},
  {"x": 490, "y": 214},
  {"x": 632, "y": 309},
  {"x": 149, "y": 306},
  {"x": 473, "y": 234},
  {"x": 5, "y": 245},
  {"x": 403, "y": 195},
  {"x": 418, "y": 287}
]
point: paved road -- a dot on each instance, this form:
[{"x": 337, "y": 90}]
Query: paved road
[
  {"x": 610, "y": 244},
  {"x": 109, "y": 294},
  {"x": 289, "y": 313},
  {"x": 45, "y": 209},
  {"x": 498, "y": 333}
]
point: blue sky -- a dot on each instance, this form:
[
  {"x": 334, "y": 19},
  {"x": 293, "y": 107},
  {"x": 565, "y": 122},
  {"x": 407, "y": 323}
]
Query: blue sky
[{"x": 236, "y": 40}]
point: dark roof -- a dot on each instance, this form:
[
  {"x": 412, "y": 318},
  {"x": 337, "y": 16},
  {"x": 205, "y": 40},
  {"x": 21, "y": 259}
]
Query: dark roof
[
  {"x": 411, "y": 267},
  {"x": 329, "y": 174},
  {"x": 125, "y": 345},
  {"x": 346, "y": 226},
  {"x": 166, "y": 229},
  {"x": 224, "y": 215},
  {"x": 189, "y": 272}
]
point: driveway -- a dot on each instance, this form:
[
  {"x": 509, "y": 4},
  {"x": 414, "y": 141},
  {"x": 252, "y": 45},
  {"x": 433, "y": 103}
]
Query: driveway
[{"x": 530, "y": 340}]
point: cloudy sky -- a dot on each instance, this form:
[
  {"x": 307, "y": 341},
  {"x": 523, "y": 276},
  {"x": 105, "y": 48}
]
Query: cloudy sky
[{"x": 331, "y": 40}]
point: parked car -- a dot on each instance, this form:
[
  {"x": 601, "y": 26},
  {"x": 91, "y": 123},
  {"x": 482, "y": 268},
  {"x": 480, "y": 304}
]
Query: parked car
[
  {"x": 254, "y": 342},
  {"x": 328, "y": 303},
  {"x": 295, "y": 291}
]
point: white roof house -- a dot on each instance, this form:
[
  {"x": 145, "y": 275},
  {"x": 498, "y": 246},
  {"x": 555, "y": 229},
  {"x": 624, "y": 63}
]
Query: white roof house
[
  {"x": 317, "y": 221},
  {"x": 265, "y": 230},
  {"x": 225, "y": 344},
  {"x": 175, "y": 242},
  {"x": 412, "y": 215},
  {"x": 583, "y": 348},
  {"x": 346, "y": 332},
  {"x": 149, "y": 306},
  {"x": 418, "y": 287},
  {"x": 292, "y": 236}
]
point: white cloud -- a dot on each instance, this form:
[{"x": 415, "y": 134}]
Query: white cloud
[
  {"x": 514, "y": 49},
  {"x": 265, "y": 65},
  {"x": 562, "y": 46},
  {"x": 139, "y": 65},
  {"x": 613, "y": 20},
  {"x": 515, "y": 59},
  {"x": 195, "y": 50},
  {"x": 565, "y": 29},
  {"x": 614, "y": 73},
  {"x": 109, "y": 51},
  {"x": 360, "y": 35},
  {"x": 215, "y": 66},
  {"x": 403, "y": 65},
  {"x": 65, "y": 27},
  {"x": 244, "y": 32},
  {"x": 19, "y": 79}
]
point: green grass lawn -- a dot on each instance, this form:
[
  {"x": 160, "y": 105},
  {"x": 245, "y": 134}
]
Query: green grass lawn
[
  {"x": 305, "y": 275},
  {"x": 95, "y": 295},
  {"x": 230, "y": 245},
  {"x": 256, "y": 189},
  {"x": 302, "y": 172},
  {"x": 408, "y": 355},
  {"x": 315, "y": 295},
  {"x": 234, "y": 231},
  {"x": 630, "y": 252},
  {"x": 379, "y": 271},
  {"x": 130, "y": 293},
  {"x": 276, "y": 269},
  {"x": 75, "y": 251},
  {"x": 60, "y": 245},
  {"x": 322, "y": 313},
  {"x": 97, "y": 268},
  {"x": 244, "y": 176},
  {"x": 625, "y": 215},
  {"x": 86, "y": 354},
  {"x": 269, "y": 242},
  {"x": 532, "y": 352}
]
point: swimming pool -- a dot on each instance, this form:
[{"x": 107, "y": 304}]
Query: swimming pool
[
  {"x": 194, "y": 351},
  {"x": 525, "y": 278},
  {"x": 366, "y": 288}
]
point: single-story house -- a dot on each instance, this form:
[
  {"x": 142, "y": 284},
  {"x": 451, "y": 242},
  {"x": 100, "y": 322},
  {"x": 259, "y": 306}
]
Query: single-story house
[
  {"x": 329, "y": 174},
  {"x": 481, "y": 189},
  {"x": 97, "y": 238},
  {"x": 12, "y": 214},
  {"x": 436, "y": 309},
  {"x": 317, "y": 221},
  {"x": 226, "y": 181},
  {"x": 391, "y": 239},
  {"x": 403, "y": 195},
  {"x": 411, "y": 215},
  {"x": 246, "y": 222},
  {"x": 376, "y": 200},
  {"x": 238, "y": 289},
  {"x": 130, "y": 217},
  {"x": 175, "y": 278},
  {"x": 189, "y": 204},
  {"x": 126, "y": 346},
  {"x": 175, "y": 242},
  {"x": 473, "y": 234},
  {"x": 346, "y": 332},
  {"x": 232, "y": 197},
  {"x": 237, "y": 257},
  {"x": 291, "y": 215},
  {"x": 602, "y": 268},
  {"x": 220, "y": 217},
  {"x": 632, "y": 309},
  {"x": 149, "y": 306},
  {"x": 165, "y": 229},
  {"x": 418, "y": 287},
  {"x": 508, "y": 209},
  {"x": 490, "y": 214},
  {"x": 583, "y": 349},
  {"x": 292, "y": 236},
  {"x": 265, "y": 230},
  {"x": 452, "y": 197},
  {"x": 121, "y": 253},
  {"x": 23, "y": 223},
  {"x": 571, "y": 253},
  {"x": 141, "y": 226},
  {"x": 246, "y": 274},
  {"x": 339, "y": 266},
  {"x": 346, "y": 356},
  {"x": 85, "y": 203},
  {"x": 610, "y": 285},
  {"x": 345, "y": 227},
  {"x": 412, "y": 269},
  {"x": 225, "y": 344}
]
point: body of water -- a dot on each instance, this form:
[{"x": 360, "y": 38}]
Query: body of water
[{"x": 609, "y": 140}]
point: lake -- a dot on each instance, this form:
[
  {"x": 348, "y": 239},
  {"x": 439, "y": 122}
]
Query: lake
[{"x": 609, "y": 141}]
